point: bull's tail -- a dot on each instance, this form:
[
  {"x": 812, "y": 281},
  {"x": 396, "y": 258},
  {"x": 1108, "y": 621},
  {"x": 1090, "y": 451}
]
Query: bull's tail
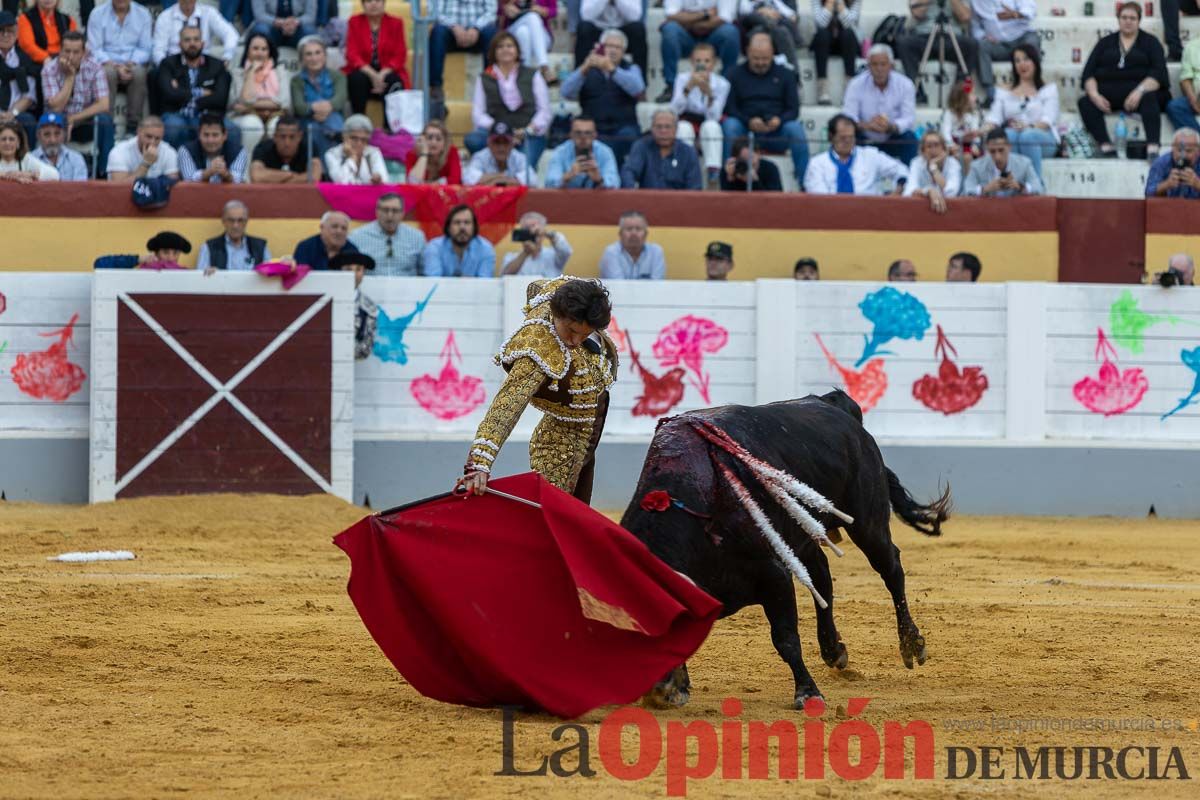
[{"x": 927, "y": 519}]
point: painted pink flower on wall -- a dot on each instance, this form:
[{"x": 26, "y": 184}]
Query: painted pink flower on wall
[
  {"x": 685, "y": 341},
  {"x": 449, "y": 395},
  {"x": 1113, "y": 391},
  {"x": 48, "y": 375}
]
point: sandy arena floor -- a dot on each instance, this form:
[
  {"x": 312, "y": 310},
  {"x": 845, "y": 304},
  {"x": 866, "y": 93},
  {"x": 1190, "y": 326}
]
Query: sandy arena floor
[{"x": 228, "y": 661}]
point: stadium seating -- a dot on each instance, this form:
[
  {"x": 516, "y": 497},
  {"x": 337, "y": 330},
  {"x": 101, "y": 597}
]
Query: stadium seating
[
  {"x": 1067, "y": 40},
  {"x": 1061, "y": 37}
]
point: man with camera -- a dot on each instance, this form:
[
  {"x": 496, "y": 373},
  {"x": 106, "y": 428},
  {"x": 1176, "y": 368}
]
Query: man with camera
[
  {"x": 607, "y": 87},
  {"x": 597, "y": 16},
  {"x": 581, "y": 162},
  {"x": 746, "y": 166},
  {"x": 910, "y": 45},
  {"x": 699, "y": 100},
  {"x": 660, "y": 161},
  {"x": 535, "y": 258},
  {"x": 1004, "y": 173},
  {"x": 1180, "y": 271},
  {"x": 1174, "y": 174},
  {"x": 690, "y": 22}
]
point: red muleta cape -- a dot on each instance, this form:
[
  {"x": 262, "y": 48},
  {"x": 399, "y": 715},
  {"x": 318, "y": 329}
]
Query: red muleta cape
[{"x": 485, "y": 601}]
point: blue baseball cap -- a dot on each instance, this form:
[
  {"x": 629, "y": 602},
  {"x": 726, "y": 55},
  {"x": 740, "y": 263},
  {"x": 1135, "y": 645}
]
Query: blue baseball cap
[{"x": 53, "y": 118}]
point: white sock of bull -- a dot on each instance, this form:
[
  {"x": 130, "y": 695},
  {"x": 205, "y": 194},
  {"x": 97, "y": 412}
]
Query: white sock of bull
[{"x": 781, "y": 548}]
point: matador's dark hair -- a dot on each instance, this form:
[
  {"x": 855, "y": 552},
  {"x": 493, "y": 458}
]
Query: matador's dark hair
[{"x": 582, "y": 301}]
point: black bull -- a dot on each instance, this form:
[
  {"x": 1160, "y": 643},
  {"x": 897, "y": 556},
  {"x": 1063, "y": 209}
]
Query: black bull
[{"x": 819, "y": 440}]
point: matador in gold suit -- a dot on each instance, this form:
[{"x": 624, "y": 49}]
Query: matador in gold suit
[{"x": 568, "y": 385}]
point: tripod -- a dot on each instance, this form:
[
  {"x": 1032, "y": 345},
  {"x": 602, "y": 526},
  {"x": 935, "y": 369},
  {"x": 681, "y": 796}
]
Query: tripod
[{"x": 942, "y": 30}]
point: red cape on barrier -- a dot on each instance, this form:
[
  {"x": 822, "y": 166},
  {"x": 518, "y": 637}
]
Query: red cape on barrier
[{"x": 484, "y": 601}]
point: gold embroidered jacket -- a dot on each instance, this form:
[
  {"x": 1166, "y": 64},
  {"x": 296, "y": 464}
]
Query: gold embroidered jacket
[{"x": 563, "y": 383}]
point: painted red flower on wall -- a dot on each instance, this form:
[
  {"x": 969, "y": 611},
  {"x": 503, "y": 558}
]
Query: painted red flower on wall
[
  {"x": 1113, "y": 391},
  {"x": 449, "y": 395},
  {"x": 866, "y": 386},
  {"x": 659, "y": 393},
  {"x": 685, "y": 341},
  {"x": 48, "y": 375},
  {"x": 952, "y": 390}
]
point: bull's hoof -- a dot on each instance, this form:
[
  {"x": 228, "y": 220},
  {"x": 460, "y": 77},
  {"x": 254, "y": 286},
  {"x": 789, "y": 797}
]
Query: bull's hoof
[
  {"x": 913, "y": 647},
  {"x": 666, "y": 696},
  {"x": 805, "y": 695},
  {"x": 672, "y": 691},
  {"x": 838, "y": 658}
]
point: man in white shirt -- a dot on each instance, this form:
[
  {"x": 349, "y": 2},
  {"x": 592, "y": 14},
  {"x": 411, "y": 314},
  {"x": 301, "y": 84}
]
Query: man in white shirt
[
  {"x": 544, "y": 253},
  {"x": 597, "y": 16},
  {"x": 499, "y": 164},
  {"x": 1001, "y": 25},
  {"x": 190, "y": 13},
  {"x": 848, "y": 169},
  {"x": 631, "y": 257},
  {"x": 143, "y": 156},
  {"x": 883, "y": 104},
  {"x": 692, "y": 21},
  {"x": 120, "y": 36},
  {"x": 699, "y": 99}
]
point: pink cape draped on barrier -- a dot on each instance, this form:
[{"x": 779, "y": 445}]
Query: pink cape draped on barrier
[
  {"x": 485, "y": 601},
  {"x": 495, "y": 206},
  {"x": 290, "y": 274}
]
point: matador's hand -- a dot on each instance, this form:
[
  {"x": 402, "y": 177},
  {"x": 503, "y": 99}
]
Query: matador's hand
[{"x": 472, "y": 483}]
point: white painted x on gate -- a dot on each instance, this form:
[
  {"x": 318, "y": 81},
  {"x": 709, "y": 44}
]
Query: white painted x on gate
[{"x": 223, "y": 391}]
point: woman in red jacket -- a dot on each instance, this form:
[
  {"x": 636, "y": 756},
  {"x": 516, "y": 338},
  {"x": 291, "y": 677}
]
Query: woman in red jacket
[{"x": 376, "y": 54}]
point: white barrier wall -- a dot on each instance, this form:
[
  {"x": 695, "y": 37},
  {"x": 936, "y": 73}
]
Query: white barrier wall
[
  {"x": 45, "y": 353},
  {"x": 1013, "y": 361},
  {"x": 1123, "y": 363},
  {"x": 1017, "y": 362}
]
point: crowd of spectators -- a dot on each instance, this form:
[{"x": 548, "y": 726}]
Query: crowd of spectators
[{"x": 211, "y": 79}]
